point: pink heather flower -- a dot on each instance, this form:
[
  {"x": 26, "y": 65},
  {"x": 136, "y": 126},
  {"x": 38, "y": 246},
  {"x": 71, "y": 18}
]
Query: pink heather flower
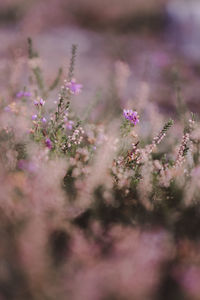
[
  {"x": 44, "y": 120},
  {"x": 131, "y": 116},
  {"x": 75, "y": 88},
  {"x": 48, "y": 143},
  {"x": 66, "y": 116},
  {"x": 22, "y": 94},
  {"x": 69, "y": 125},
  {"x": 36, "y": 103},
  {"x": 42, "y": 102},
  {"x": 27, "y": 94},
  {"x": 34, "y": 117},
  {"x": 19, "y": 94}
]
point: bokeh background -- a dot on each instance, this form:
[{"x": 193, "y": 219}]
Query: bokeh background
[
  {"x": 138, "y": 54},
  {"x": 158, "y": 40}
]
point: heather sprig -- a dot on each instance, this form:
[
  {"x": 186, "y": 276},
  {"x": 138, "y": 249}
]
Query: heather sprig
[
  {"x": 31, "y": 52},
  {"x": 67, "y": 89},
  {"x": 157, "y": 139},
  {"x": 72, "y": 63},
  {"x": 183, "y": 150}
]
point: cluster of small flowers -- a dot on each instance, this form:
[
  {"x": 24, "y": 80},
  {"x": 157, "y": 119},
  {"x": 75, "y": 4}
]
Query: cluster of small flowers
[
  {"x": 76, "y": 138},
  {"x": 131, "y": 116},
  {"x": 59, "y": 96},
  {"x": 139, "y": 156},
  {"x": 73, "y": 87},
  {"x": 121, "y": 174},
  {"x": 135, "y": 154},
  {"x": 39, "y": 102},
  {"x": 22, "y": 94},
  {"x": 158, "y": 138},
  {"x": 156, "y": 141},
  {"x": 181, "y": 157},
  {"x": 68, "y": 124},
  {"x": 37, "y": 117},
  {"x": 48, "y": 143}
]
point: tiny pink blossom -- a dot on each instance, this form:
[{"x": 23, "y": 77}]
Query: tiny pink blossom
[
  {"x": 69, "y": 124},
  {"x": 44, "y": 120},
  {"x": 42, "y": 102},
  {"x": 75, "y": 88},
  {"x": 22, "y": 94},
  {"x": 48, "y": 143},
  {"x": 27, "y": 94},
  {"x": 131, "y": 116},
  {"x": 34, "y": 117},
  {"x": 36, "y": 103},
  {"x": 19, "y": 94}
]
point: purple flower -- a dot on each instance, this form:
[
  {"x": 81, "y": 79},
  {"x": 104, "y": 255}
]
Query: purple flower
[
  {"x": 42, "y": 102},
  {"x": 69, "y": 125},
  {"x": 75, "y": 88},
  {"x": 36, "y": 103},
  {"x": 44, "y": 120},
  {"x": 131, "y": 116},
  {"x": 48, "y": 143},
  {"x": 34, "y": 117},
  {"x": 27, "y": 94},
  {"x": 22, "y": 94}
]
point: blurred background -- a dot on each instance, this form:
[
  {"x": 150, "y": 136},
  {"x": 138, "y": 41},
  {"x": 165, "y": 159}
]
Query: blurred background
[
  {"x": 138, "y": 54},
  {"x": 157, "y": 41}
]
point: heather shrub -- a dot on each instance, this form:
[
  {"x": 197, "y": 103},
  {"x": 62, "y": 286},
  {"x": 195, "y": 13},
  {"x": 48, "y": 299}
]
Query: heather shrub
[{"x": 96, "y": 208}]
